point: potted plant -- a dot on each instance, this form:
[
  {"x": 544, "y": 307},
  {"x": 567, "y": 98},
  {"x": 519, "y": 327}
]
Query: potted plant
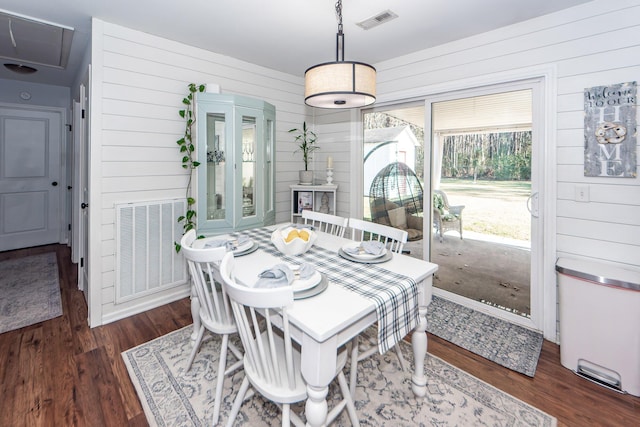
[{"x": 306, "y": 140}]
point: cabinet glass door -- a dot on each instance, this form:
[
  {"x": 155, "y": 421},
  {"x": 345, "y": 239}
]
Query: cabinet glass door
[
  {"x": 269, "y": 165},
  {"x": 216, "y": 166},
  {"x": 249, "y": 162}
]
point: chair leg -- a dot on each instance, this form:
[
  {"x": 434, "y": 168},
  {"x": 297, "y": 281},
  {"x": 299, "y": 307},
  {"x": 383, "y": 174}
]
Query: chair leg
[
  {"x": 346, "y": 394},
  {"x": 286, "y": 412},
  {"x": 353, "y": 375},
  {"x": 398, "y": 351},
  {"x": 220, "y": 380},
  {"x": 196, "y": 347},
  {"x": 195, "y": 312},
  {"x": 238, "y": 402}
]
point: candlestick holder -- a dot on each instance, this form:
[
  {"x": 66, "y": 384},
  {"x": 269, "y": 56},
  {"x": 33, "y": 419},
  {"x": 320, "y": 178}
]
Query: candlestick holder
[{"x": 329, "y": 175}]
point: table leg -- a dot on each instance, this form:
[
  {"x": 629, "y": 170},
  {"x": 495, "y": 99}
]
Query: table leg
[
  {"x": 318, "y": 366},
  {"x": 419, "y": 342},
  {"x": 195, "y": 313},
  {"x": 316, "y": 408}
]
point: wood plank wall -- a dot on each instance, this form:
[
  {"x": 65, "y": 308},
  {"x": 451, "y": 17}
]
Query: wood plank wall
[{"x": 139, "y": 81}]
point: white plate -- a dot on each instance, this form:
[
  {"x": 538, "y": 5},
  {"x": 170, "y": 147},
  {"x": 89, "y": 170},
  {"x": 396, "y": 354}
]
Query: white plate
[
  {"x": 312, "y": 291},
  {"x": 243, "y": 247},
  {"x": 362, "y": 255},
  {"x": 384, "y": 258},
  {"x": 226, "y": 238},
  {"x": 303, "y": 284},
  {"x": 251, "y": 250}
]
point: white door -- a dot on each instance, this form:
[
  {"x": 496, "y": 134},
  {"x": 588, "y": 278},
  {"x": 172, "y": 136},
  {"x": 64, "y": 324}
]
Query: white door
[
  {"x": 76, "y": 250},
  {"x": 82, "y": 194},
  {"x": 30, "y": 177},
  {"x": 83, "y": 266}
]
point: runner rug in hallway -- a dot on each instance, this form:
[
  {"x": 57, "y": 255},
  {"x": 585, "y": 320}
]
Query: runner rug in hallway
[
  {"x": 171, "y": 396},
  {"x": 509, "y": 345},
  {"x": 29, "y": 291}
]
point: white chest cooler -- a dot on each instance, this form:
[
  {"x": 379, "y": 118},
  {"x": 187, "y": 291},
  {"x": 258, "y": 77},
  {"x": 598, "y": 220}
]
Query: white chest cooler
[{"x": 600, "y": 323}]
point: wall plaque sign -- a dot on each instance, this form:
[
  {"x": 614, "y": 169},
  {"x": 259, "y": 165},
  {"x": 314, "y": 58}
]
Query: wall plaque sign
[{"x": 610, "y": 130}]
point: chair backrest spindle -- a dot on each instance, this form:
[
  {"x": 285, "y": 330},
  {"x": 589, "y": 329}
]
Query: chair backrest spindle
[
  {"x": 260, "y": 337},
  {"x": 204, "y": 269},
  {"x": 393, "y": 238},
  {"x": 327, "y": 223}
]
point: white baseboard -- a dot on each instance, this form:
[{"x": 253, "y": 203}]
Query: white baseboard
[{"x": 146, "y": 304}]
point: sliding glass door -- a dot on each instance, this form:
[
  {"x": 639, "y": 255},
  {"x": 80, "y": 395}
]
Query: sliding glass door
[
  {"x": 484, "y": 148},
  {"x": 461, "y": 172}
]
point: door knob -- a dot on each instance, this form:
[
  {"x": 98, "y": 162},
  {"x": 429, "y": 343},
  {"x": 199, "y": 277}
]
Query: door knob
[
  {"x": 54, "y": 183},
  {"x": 84, "y": 205}
]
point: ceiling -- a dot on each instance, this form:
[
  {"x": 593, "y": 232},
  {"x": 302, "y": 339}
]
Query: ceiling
[{"x": 284, "y": 35}]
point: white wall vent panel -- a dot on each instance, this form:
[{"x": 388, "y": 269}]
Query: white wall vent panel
[{"x": 146, "y": 259}]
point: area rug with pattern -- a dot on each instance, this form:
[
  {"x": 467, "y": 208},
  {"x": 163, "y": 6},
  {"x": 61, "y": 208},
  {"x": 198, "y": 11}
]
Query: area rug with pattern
[
  {"x": 172, "y": 397},
  {"x": 29, "y": 291},
  {"x": 507, "y": 344}
]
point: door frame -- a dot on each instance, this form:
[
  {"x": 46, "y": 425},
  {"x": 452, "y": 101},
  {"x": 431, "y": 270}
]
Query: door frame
[
  {"x": 546, "y": 107},
  {"x": 77, "y": 127},
  {"x": 82, "y": 193}
]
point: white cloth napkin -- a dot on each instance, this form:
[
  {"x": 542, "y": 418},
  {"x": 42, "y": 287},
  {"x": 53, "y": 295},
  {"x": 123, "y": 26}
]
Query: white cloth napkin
[
  {"x": 230, "y": 243},
  {"x": 283, "y": 275},
  {"x": 372, "y": 247},
  {"x": 305, "y": 271}
]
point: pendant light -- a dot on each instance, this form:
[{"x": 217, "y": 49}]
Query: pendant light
[{"x": 340, "y": 84}]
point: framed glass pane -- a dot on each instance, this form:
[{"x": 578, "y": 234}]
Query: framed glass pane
[
  {"x": 249, "y": 154},
  {"x": 269, "y": 173},
  {"x": 216, "y": 165}
]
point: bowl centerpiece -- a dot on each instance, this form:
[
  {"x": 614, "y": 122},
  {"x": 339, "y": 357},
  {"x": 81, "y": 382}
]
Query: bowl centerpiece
[{"x": 293, "y": 241}]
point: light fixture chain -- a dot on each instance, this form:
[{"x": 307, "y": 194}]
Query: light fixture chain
[{"x": 339, "y": 34}]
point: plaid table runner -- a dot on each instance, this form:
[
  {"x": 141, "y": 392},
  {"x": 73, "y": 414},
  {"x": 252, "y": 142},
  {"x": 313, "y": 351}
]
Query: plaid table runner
[{"x": 395, "y": 295}]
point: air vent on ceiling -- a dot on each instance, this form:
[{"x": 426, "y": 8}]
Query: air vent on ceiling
[{"x": 378, "y": 19}]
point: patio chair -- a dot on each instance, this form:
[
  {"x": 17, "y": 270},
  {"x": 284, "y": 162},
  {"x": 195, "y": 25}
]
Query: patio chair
[
  {"x": 331, "y": 224},
  {"x": 395, "y": 199},
  {"x": 272, "y": 359},
  {"x": 214, "y": 309},
  {"x": 394, "y": 239},
  {"x": 445, "y": 216}
]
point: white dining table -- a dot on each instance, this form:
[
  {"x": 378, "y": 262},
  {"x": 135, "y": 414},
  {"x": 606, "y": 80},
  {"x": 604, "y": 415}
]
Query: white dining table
[{"x": 324, "y": 322}]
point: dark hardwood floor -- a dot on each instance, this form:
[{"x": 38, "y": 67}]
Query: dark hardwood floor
[{"x": 62, "y": 373}]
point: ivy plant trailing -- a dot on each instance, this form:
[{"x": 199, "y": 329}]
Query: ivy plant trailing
[{"x": 189, "y": 162}]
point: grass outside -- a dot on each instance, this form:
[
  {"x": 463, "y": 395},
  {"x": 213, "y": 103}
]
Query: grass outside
[{"x": 497, "y": 208}]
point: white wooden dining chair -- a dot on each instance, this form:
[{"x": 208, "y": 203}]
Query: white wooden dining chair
[
  {"x": 187, "y": 240},
  {"x": 328, "y": 223},
  {"x": 271, "y": 360},
  {"x": 214, "y": 309},
  {"x": 394, "y": 240}
]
